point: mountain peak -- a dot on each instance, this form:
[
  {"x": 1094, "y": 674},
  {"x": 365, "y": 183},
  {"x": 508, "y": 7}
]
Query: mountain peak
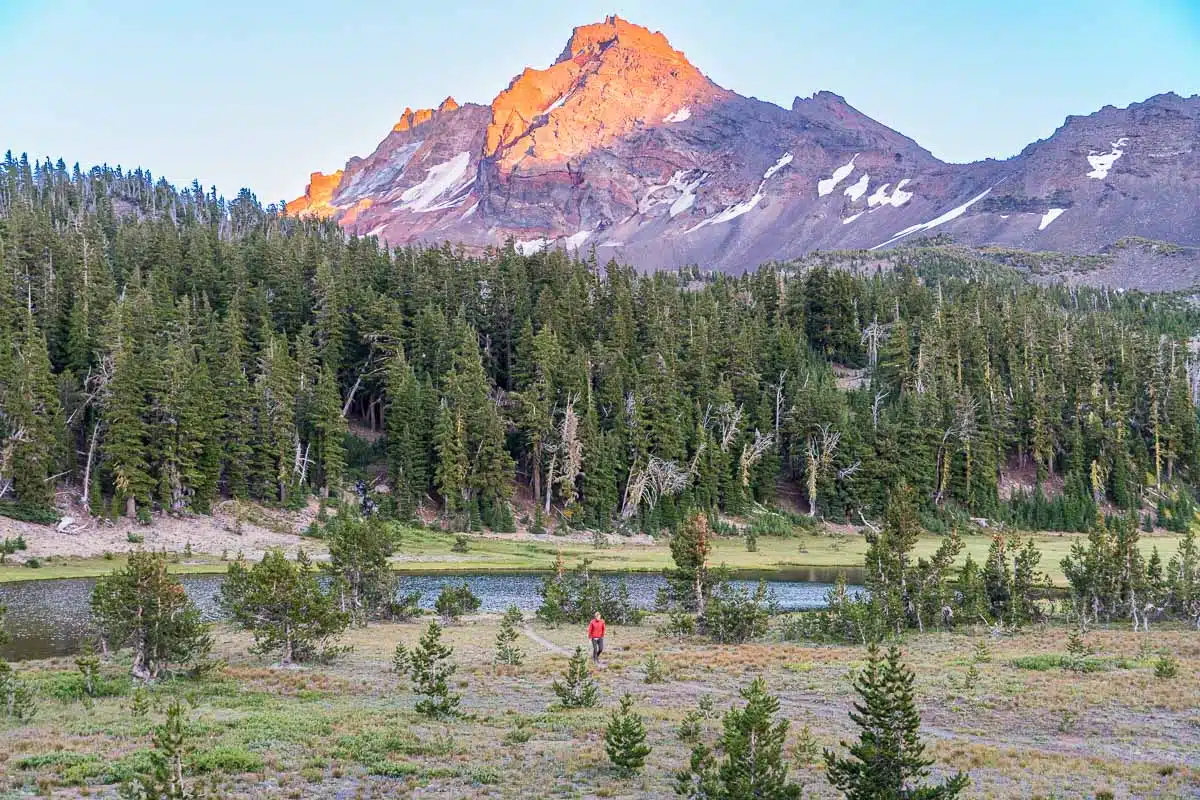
[
  {"x": 591, "y": 40},
  {"x": 612, "y": 77}
]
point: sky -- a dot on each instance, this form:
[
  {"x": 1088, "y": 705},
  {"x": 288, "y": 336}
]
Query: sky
[{"x": 258, "y": 93}]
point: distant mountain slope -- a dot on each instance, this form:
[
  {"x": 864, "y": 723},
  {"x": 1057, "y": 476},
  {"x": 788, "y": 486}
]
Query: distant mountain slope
[{"x": 623, "y": 145}]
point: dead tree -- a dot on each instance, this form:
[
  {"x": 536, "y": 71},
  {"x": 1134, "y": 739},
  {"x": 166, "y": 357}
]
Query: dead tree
[
  {"x": 821, "y": 448},
  {"x": 752, "y": 453}
]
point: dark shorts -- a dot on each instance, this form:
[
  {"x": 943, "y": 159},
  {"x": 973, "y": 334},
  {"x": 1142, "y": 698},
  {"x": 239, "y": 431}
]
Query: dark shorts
[{"x": 597, "y": 647}]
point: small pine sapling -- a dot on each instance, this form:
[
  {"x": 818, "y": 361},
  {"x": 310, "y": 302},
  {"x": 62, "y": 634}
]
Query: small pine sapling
[
  {"x": 88, "y": 664},
  {"x": 577, "y": 689},
  {"x": 507, "y": 651},
  {"x": 625, "y": 738},
  {"x": 430, "y": 668},
  {"x": 655, "y": 672}
]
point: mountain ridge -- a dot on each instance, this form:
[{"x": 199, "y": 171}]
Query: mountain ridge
[{"x": 623, "y": 145}]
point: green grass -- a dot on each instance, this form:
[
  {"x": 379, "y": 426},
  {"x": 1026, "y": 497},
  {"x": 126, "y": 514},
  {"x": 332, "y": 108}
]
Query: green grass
[{"x": 424, "y": 551}]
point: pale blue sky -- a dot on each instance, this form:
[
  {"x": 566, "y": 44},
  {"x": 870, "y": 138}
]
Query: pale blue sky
[{"x": 258, "y": 93}]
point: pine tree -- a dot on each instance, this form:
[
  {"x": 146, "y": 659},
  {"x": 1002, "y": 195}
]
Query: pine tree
[
  {"x": 165, "y": 778},
  {"x": 408, "y": 436},
  {"x": 625, "y": 738},
  {"x": 577, "y": 689},
  {"x": 361, "y": 575},
  {"x": 507, "y": 651},
  {"x": 282, "y": 603},
  {"x": 691, "y": 582},
  {"x": 752, "y": 766},
  {"x": 32, "y": 409},
  {"x": 888, "y": 761},
  {"x": 18, "y": 700},
  {"x": 330, "y": 428},
  {"x": 127, "y": 437},
  {"x": 143, "y": 607},
  {"x": 430, "y": 669}
]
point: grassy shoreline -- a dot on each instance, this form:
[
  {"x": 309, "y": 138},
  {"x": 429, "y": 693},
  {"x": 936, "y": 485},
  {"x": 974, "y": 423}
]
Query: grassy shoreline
[{"x": 422, "y": 552}]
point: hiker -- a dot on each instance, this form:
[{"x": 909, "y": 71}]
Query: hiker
[{"x": 596, "y": 634}]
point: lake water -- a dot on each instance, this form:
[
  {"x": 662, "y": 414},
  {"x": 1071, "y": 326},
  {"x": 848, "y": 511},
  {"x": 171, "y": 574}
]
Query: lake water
[{"x": 49, "y": 617}]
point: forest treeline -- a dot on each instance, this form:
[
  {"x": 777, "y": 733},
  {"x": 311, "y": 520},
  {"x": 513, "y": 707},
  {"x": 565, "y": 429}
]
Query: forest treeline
[{"x": 164, "y": 348}]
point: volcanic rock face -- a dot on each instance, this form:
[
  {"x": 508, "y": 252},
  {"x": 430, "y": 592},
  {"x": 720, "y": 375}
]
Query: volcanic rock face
[{"x": 622, "y": 145}]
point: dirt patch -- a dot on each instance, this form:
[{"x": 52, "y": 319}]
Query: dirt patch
[{"x": 234, "y": 527}]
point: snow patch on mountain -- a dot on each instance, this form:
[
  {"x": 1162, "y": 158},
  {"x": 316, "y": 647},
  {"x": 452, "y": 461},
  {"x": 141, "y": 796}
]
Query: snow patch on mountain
[
  {"x": 576, "y": 240},
  {"x": 531, "y": 247},
  {"x": 1103, "y": 162},
  {"x": 783, "y": 161},
  {"x": 858, "y": 189},
  {"x": 852, "y": 217},
  {"x": 679, "y": 115},
  {"x": 952, "y": 214},
  {"x": 442, "y": 180},
  {"x": 558, "y": 103},
  {"x": 1049, "y": 217},
  {"x": 840, "y": 174},
  {"x": 899, "y": 196},
  {"x": 880, "y": 195},
  {"x": 738, "y": 209},
  {"x": 680, "y": 202}
]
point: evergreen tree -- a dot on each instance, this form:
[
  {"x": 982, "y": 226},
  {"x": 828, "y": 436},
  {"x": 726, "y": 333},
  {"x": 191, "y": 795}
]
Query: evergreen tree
[
  {"x": 577, "y": 689},
  {"x": 282, "y": 603},
  {"x": 507, "y": 651},
  {"x": 330, "y": 428},
  {"x": 361, "y": 575},
  {"x": 143, "y": 607},
  {"x": 691, "y": 582},
  {"x": 752, "y": 764},
  {"x": 164, "y": 781},
  {"x": 888, "y": 761},
  {"x": 430, "y": 669},
  {"x": 625, "y": 738}
]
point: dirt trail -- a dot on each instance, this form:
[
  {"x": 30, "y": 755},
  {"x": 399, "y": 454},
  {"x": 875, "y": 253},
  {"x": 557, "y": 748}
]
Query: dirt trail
[{"x": 544, "y": 642}]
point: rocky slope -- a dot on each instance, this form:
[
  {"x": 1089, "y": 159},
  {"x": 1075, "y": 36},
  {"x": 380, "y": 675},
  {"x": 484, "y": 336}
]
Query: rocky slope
[{"x": 623, "y": 145}]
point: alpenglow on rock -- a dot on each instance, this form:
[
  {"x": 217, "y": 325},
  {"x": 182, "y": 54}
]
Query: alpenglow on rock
[{"x": 624, "y": 146}]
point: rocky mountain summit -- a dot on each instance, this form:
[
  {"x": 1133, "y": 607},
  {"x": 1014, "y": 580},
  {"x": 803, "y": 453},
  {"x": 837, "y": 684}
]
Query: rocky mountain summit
[{"x": 623, "y": 145}]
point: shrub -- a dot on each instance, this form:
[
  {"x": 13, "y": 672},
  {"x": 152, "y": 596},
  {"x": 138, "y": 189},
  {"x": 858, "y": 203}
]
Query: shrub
[
  {"x": 404, "y": 608},
  {"x": 575, "y": 596},
  {"x": 227, "y": 759},
  {"x": 462, "y": 544},
  {"x": 734, "y": 615},
  {"x": 1166, "y": 667},
  {"x": 454, "y": 601}
]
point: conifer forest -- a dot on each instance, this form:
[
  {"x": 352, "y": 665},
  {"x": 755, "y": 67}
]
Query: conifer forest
[{"x": 163, "y": 349}]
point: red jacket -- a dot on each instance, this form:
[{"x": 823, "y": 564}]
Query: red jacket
[{"x": 596, "y": 629}]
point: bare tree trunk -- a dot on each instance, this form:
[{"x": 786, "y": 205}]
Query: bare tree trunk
[{"x": 86, "y": 497}]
